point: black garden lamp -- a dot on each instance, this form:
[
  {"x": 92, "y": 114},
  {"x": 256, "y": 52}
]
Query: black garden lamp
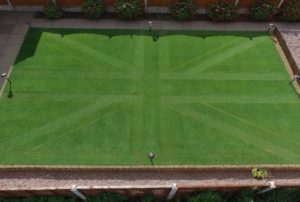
[
  {"x": 151, "y": 156},
  {"x": 4, "y": 76},
  {"x": 150, "y": 26}
]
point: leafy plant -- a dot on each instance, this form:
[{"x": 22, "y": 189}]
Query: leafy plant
[
  {"x": 129, "y": 9},
  {"x": 183, "y": 10},
  {"x": 222, "y": 11},
  {"x": 93, "y": 8},
  {"x": 290, "y": 11},
  {"x": 261, "y": 10},
  {"x": 260, "y": 173},
  {"x": 245, "y": 195},
  {"x": 53, "y": 10},
  {"x": 206, "y": 196}
]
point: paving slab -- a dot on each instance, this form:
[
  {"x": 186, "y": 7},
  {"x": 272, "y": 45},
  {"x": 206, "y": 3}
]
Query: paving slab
[
  {"x": 192, "y": 25},
  {"x": 12, "y": 18},
  {"x": 132, "y": 25},
  {"x": 256, "y": 26},
  {"x": 11, "y": 50},
  {"x": 42, "y": 23},
  {"x": 234, "y": 26},
  {"x": 216, "y": 26},
  {"x": 3, "y": 38},
  {"x": 106, "y": 24},
  {"x": 85, "y": 24},
  {"x": 2, "y": 47},
  {"x": 6, "y": 29},
  {"x": 20, "y": 29},
  {"x": 170, "y": 25},
  {"x": 65, "y": 23},
  {"x": 292, "y": 39},
  {"x": 6, "y": 61},
  {"x": 293, "y": 26},
  {"x": 15, "y": 39}
]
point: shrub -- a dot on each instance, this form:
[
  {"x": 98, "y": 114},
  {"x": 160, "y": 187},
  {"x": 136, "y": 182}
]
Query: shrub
[
  {"x": 129, "y": 9},
  {"x": 261, "y": 10},
  {"x": 245, "y": 195},
  {"x": 222, "y": 11},
  {"x": 108, "y": 197},
  {"x": 93, "y": 8},
  {"x": 53, "y": 10},
  {"x": 290, "y": 11},
  {"x": 260, "y": 173},
  {"x": 183, "y": 10},
  {"x": 206, "y": 196}
]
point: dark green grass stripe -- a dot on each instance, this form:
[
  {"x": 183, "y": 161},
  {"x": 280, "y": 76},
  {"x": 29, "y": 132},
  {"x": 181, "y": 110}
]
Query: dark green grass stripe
[
  {"x": 222, "y": 56},
  {"x": 216, "y": 76},
  {"x": 232, "y": 99},
  {"x": 243, "y": 135},
  {"x": 61, "y": 124},
  {"x": 93, "y": 53},
  {"x": 265, "y": 131},
  {"x": 208, "y": 54}
]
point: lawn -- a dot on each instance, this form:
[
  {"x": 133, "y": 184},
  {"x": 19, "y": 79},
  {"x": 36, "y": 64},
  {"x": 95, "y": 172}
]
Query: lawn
[{"x": 108, "y": 97}]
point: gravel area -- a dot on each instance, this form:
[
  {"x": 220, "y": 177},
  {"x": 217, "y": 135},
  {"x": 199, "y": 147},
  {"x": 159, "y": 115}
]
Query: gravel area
[
  {"x": 292, "y": 39},
  {"x": 65, "y": 179}
]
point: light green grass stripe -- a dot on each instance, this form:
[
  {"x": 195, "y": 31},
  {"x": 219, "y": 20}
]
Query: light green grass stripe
[
  {"x": 139, "y": 52},
  {"x": 216, "y": 76},
  {"x": 222, "y": 56},
  {"x": 77, "y": 97},
  {"x": 60, "y": 124},
  {"x": 164, "y": 55},
  {"x": 69, "y": 73},
  {"x": 245, "y": 136},
  {"x": 91, "y": 52},
  {"x": 257, "y": 99}
]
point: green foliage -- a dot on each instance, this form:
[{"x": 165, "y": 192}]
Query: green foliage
[
  {"x": 222, "y": 11},
  {"x": 261, "y": 10},
  {"x": 53, "y": 11},
  {"x": 280, "y": 195},
  {"x": 245, "y": 195},
  {"x": 93, "y": 8},
  {"x": 260, "y": 173},
  {"x": 148, "y": 198},
  {"x": 129, "y": 9},
  {"x": 108, "y": 197},
  {"x": 290, "y": 11},
  {"x": 183, "y": 10},
  {"x": 206, "y": 196}
]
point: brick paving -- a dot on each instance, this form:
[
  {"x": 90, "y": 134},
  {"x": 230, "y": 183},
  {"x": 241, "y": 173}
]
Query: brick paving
[{"x": 292, "y": 39}]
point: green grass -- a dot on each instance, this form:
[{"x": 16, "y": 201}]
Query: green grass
[{"x": 109, "y": 97}]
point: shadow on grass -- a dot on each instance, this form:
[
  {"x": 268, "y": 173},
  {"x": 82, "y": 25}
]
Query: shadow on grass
[
  {"x": 34, "y": 34},
  {"x": 294, "y": 89},
  {"x": 29, "y": 45}
]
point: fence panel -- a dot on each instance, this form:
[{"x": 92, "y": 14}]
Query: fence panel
[
  {"x": 29, "y": 2},
  {"x": 248, "y": 3},
  {"x": 3, "y": 2}
]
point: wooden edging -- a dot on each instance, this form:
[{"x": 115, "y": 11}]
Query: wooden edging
[{"x": 149, "y": 168}]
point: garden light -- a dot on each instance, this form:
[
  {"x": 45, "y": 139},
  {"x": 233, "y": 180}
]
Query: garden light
[
  {"x": 151, "y": 156},
  {"x": 271, "y": 28},
  {"x": 150, "y": 26},
  {"x": 10, "y": 94}
]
